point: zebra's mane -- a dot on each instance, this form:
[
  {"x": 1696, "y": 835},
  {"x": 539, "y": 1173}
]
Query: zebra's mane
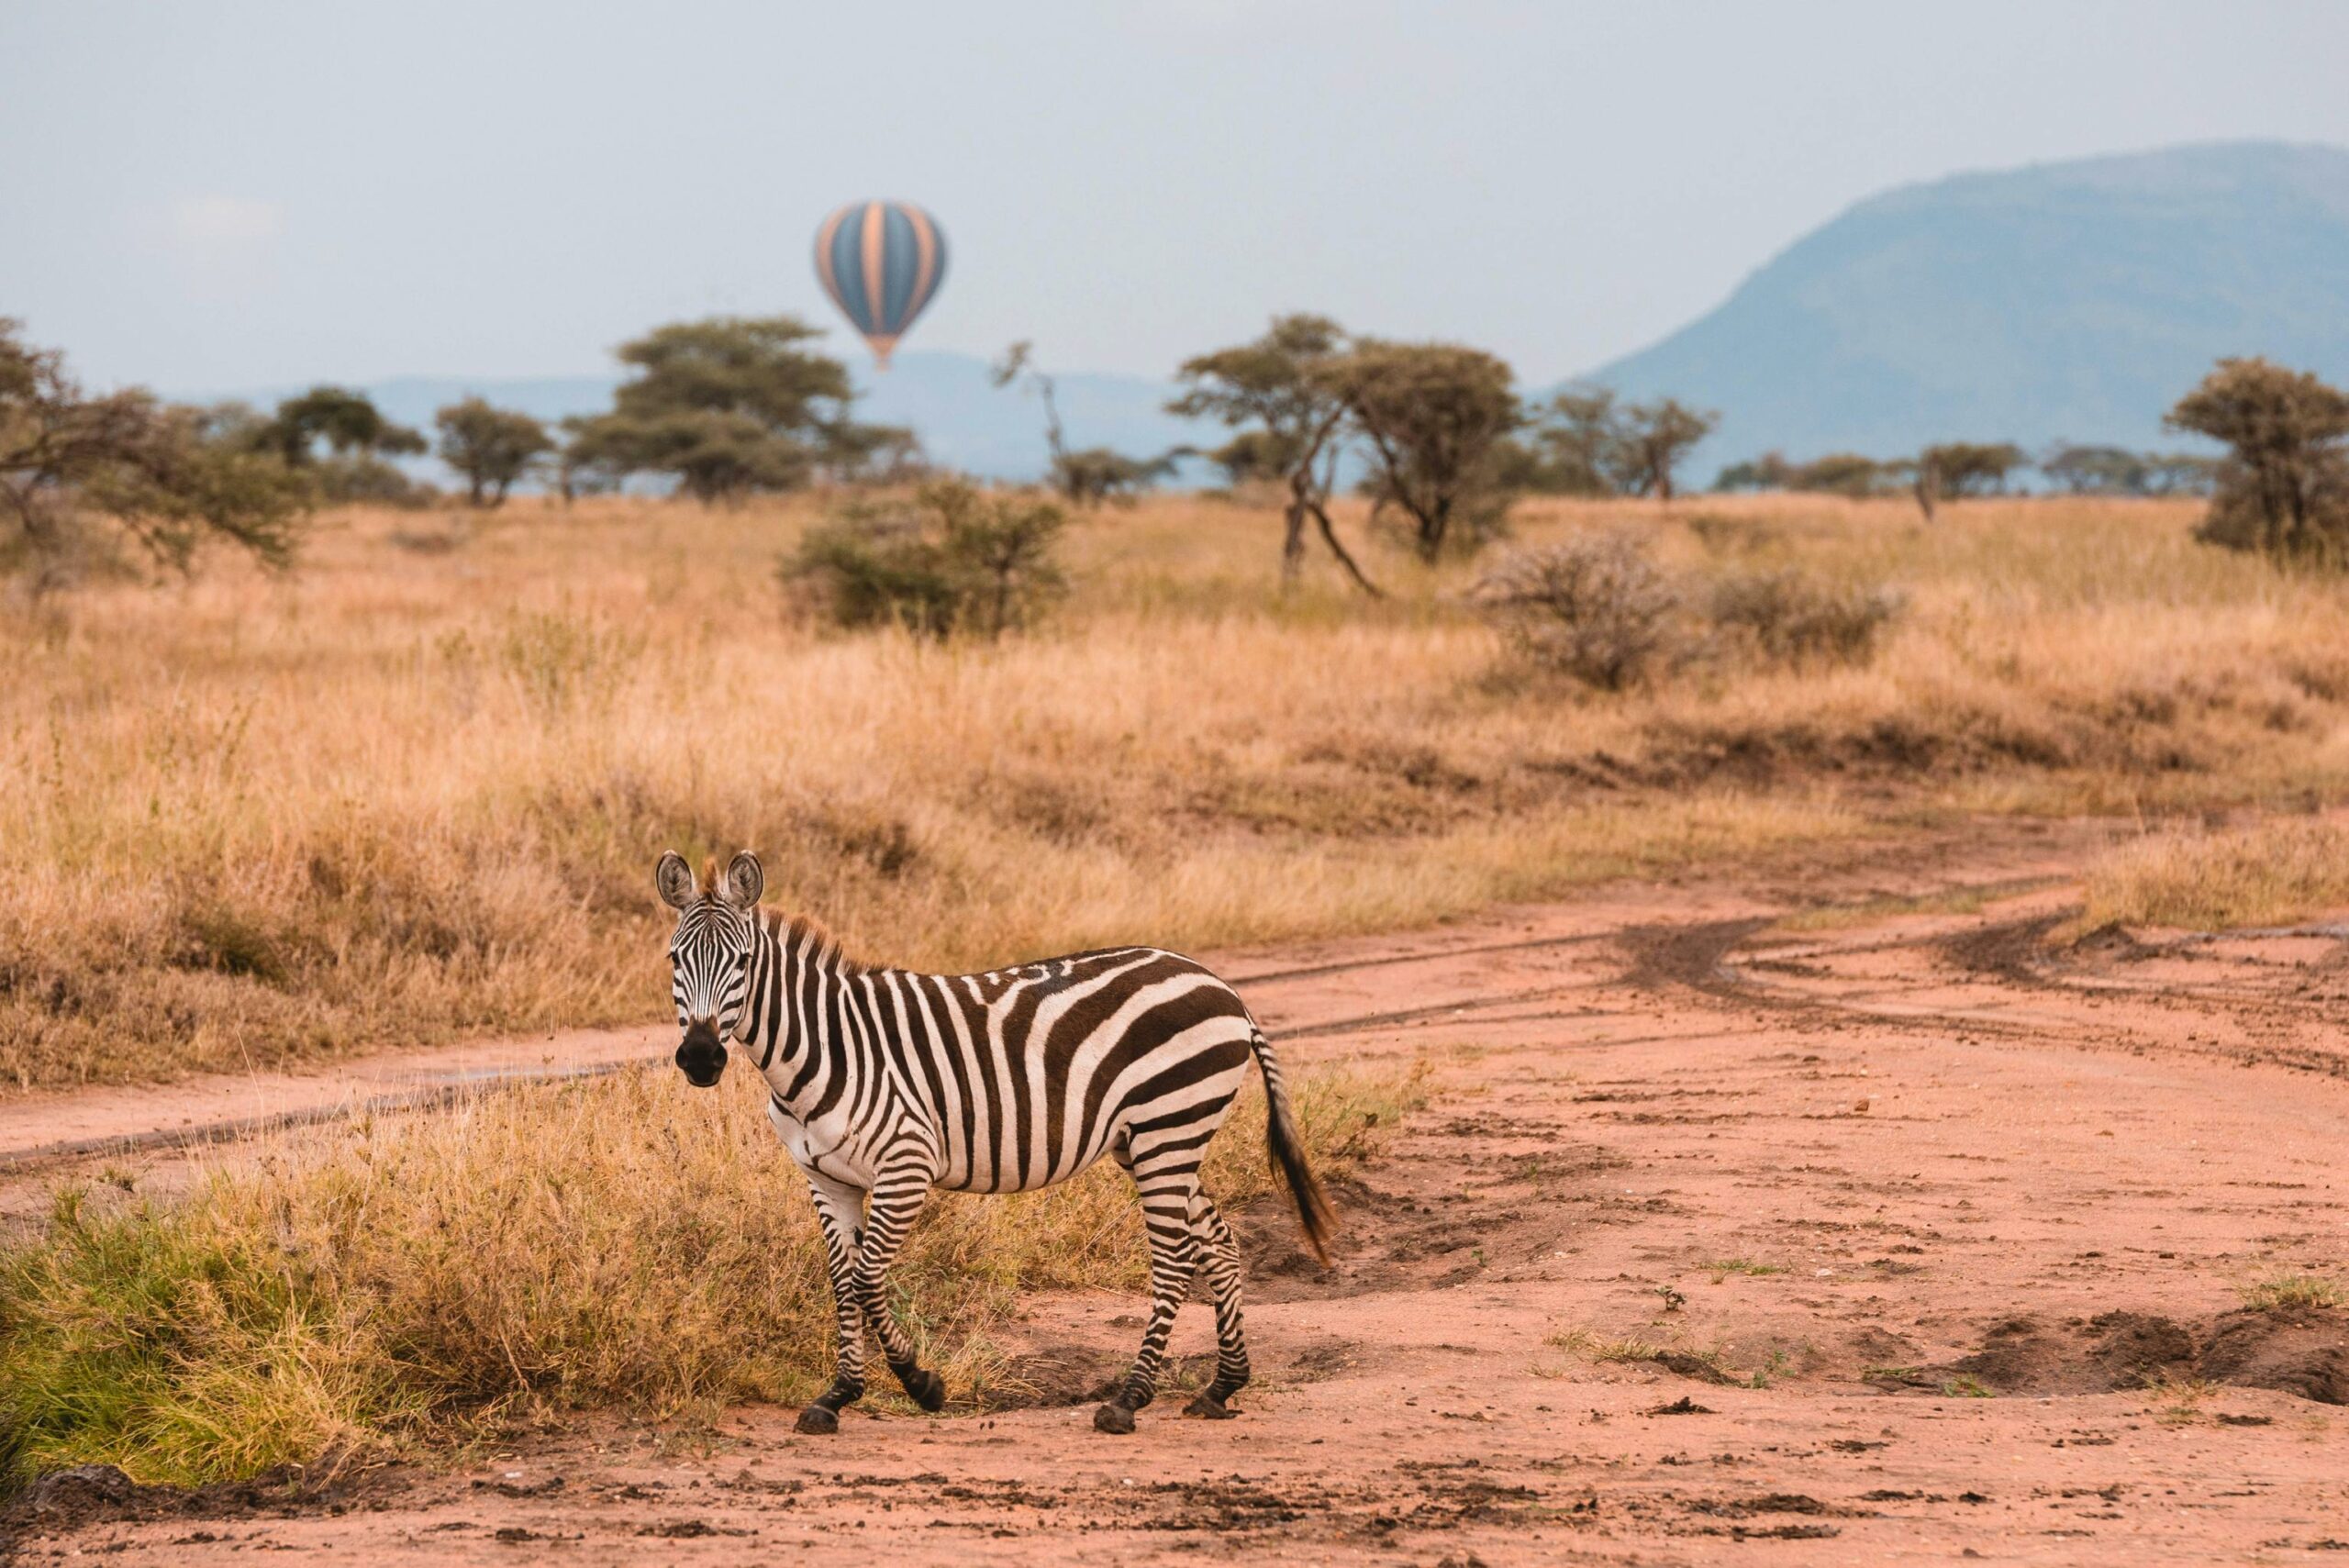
[{"x": 818, "y": 938}]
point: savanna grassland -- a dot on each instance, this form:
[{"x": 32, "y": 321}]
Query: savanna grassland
[{"x": 413, "y": 790}]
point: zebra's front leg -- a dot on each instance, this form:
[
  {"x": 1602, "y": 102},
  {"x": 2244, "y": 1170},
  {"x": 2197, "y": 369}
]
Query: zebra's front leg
[
  {"x": 1168, "y": 1188},
  {"x": 898, "y": 1197},
  {"x": 840, "y": 1208}
]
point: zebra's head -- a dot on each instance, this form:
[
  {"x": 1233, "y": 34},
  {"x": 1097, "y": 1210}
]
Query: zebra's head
[{"x": 709, "y": 958}]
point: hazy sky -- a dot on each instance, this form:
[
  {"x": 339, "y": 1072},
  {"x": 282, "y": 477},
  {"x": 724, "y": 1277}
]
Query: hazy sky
[{"x": 206, "y": 194}]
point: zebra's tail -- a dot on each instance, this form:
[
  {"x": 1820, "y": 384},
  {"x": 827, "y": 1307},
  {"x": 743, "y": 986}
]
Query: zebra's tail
[{"x": 1287, "y": 1151}]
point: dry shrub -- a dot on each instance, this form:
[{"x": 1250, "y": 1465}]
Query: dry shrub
[
  {"x": 2267, "y": 874},
  {"x": 1598, "y": 608},
  {"x": 626, "y": 1242},
  {"x": 1593, "y": 606},
  {"x": 952, "y": 558},
  {"x": 1791, "y": 616}
]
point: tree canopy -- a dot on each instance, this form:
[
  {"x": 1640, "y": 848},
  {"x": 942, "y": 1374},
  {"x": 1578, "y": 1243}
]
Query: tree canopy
[
  {"x": 1582, "y": 442},
  {"x": 727, "y": 406},
  {"x": 1433, "y": 417},
  {"x": 1277, "y": 393},
  {"x": 491, "y": 447},
  {"x": 1651, "y": 441},
  {"x": 348, "y": 422},
  {"x": 2284, "y": 486},
  {"x": 77, "y": 471}
]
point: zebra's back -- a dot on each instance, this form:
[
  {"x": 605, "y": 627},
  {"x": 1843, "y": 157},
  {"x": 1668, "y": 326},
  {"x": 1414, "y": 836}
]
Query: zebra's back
[{"x": 1031, "y": 1074}]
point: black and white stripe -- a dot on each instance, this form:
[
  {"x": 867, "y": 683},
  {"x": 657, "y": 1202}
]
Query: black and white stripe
[{"x": 884, "y": 1083}]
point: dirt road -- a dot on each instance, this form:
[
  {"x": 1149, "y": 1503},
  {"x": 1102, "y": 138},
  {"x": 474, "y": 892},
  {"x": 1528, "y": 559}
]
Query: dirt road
[{"x": 1893, "y": 1233}]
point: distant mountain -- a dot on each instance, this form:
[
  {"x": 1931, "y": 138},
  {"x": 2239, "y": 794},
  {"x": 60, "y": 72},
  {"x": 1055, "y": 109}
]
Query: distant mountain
[
  {"x": 2064, "y": 301},
  {"x": 963, "y": 421}
]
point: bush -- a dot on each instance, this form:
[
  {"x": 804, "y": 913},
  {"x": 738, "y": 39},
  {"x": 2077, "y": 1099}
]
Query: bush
[
  {"x": 953, "y": 558},
  {"x": 1594, "y": 607},
  {"x": 1791, "y": 616},
  {"x": 360, "y": 480},
  {"x": 2283, "y": 488}
]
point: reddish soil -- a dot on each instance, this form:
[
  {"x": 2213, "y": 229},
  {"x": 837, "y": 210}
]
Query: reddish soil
[{"x": 2006, "y": 1191}]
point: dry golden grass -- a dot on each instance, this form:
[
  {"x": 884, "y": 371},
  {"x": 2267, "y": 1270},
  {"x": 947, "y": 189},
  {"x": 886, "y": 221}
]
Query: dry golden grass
[
  {"x": 629, "y": 1242},
  {"x": 410, "y": 793},
  {"x": 2288, "y": 1290},
  {"x": 2267, "y": 873}
]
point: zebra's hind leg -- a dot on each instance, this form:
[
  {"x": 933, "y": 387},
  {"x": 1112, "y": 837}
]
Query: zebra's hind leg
[
  {"x": 1170, "y": 1185},
  {"x": 898, "y": 1197},
  {"x": 1219, "y": 1272},
  {"x": 839, "y": 1208}
]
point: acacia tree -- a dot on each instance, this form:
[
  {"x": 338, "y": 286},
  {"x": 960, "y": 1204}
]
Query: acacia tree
[
  {"x": 2180, "y": 473},
  {"x": 1586, "y": 443},
  {"x": 2116, "y": 470},
  {"x": 1958, "y": 469},
  {"x": 1771, "y": 471},
  {"x": 492, "y": 446},
  {"x": 2283, "y": 487},
  {"x": 2097, "y": 471},
  {"x": 1093, "y": 476},
  {"x": 1845, "y": 474},
  {"x": 342, "y": 441},
  {"x": 1651, "y": 441},
  {"x": 1577, "y": 439},
  {"x": 1090, "y": 476},
  {"x": 1277, "y": 392},
  {"x": 1250, "y": 457},
  {"x": 1434, "y": 417},
  {"x": 163, "y": 479},
  {"x": 728, "y": 406},
  {"x": 346, "y": 421},
  {"x": 874, "y": 454}
]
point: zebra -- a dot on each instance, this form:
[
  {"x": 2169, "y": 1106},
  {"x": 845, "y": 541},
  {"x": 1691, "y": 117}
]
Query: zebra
[{"x": 884, "y": 1083}]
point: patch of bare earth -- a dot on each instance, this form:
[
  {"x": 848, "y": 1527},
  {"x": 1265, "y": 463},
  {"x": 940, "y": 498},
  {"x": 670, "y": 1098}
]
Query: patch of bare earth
[{"x": 1908, "y": 1234}]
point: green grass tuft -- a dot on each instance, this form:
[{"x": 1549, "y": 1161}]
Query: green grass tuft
[{"x": 2282, "y": 1291}]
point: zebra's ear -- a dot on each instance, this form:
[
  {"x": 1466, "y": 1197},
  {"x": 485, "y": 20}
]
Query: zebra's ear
[
  {"x": 674, "y": 878},
  {"x": 745, "y": 881}
]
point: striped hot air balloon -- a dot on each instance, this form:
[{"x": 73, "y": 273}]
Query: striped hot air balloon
[{"x": 880, "y": 262}]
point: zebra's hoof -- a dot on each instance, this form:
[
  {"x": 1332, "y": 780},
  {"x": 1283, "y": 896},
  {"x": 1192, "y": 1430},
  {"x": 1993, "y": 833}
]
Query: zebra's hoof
[
  {"x": 1210, "y": 1408},
  {"x": 816, "y": 1418},
  {"x": 924, "y": 1388},
  {"x": 1115, "y": 1419}
]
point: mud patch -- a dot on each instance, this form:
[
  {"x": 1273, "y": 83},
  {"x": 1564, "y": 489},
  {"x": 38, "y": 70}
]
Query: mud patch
[
  {"x": 1695, "y": 957},
  {"x": 1055, "y": 1377},
  {"x": 67, "y": 1500},
  {"x": 1698, "y": 1367},
  {"x": 2303, "y": 1351},
  {"x": 2134, "y": 1349},
  {"x": 2013, "y": 950},
  {"x": 1327, "y": 1359},
  {"x": 2113, "y": 942},
  {"x": 2299, "y": 1351},
  {"x": 2021, "y": 1356}
]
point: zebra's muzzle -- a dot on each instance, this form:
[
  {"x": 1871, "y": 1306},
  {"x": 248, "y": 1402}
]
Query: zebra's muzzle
[{"x": 701, "y": 1056}]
